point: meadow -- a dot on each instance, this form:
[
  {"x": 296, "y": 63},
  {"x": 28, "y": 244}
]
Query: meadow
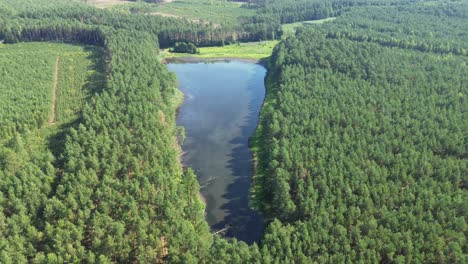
[{"x": 252, "y": 50}]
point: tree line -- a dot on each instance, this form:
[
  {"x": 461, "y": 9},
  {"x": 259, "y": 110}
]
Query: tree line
[{"x": 168, "y": 30}]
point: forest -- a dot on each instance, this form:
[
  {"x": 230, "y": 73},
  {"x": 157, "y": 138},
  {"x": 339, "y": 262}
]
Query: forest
[
  {"x": 362, "y": 145},
  {"x": 361, "y": 149}
]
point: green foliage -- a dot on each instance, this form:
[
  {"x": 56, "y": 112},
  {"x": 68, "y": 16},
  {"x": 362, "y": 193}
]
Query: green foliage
[
  {"x": 82, "y": 70},
  {"x": 65, "y": 17},
  {"x": 27, "y": 169},
  {"x": 117, "y": 193},
  {"x": 363, "y": 153},
  {"x": 128, "y": 201},
  {"x": 214, "y": 11},
  {"x": 287, "y": 11},
  {"x": 418, "y": 28},
  {"x": 252, "y": 50},
  {"x": 26, "y": 92},
  {"x": 28, "y": 73},
  {"x": 183, "y": 47},
  {"x": 244, "y": 23}
]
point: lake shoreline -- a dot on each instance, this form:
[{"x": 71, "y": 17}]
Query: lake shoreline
[{"x": 191, "y": 59}]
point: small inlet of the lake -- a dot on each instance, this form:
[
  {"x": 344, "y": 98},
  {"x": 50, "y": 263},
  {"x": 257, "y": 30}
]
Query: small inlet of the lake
[{"x": 220, "y": 113}]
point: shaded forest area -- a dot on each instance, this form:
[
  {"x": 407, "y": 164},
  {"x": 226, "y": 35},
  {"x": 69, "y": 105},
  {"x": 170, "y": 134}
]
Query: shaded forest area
[{"x": 362, "y": 152}]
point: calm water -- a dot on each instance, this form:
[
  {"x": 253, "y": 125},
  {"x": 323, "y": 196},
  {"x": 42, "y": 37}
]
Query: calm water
[{"x": 220, "y": 113}]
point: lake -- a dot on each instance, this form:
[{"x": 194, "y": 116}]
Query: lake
[{"x": 220, "y": 114}]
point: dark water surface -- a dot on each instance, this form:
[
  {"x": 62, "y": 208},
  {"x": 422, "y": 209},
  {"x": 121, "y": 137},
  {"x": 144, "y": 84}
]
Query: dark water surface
[{"x": 220, "y": 113}]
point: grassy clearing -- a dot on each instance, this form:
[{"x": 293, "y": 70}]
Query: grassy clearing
[{"x": 253, "y": 50}]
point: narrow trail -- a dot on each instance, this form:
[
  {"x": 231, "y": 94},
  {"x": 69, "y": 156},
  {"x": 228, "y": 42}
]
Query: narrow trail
[{"x": 53, "y": 116}]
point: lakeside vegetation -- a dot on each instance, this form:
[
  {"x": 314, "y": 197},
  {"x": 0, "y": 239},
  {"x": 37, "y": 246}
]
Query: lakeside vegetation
[
  {"x": 254, "y": 51},
  {"x": 260, "y": 50},
  {"x": 361, "y": 155},
  {"x": 358, "y": 137}
]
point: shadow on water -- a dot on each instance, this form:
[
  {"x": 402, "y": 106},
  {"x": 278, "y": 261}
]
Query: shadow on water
[{"x": 244, "y": 223}]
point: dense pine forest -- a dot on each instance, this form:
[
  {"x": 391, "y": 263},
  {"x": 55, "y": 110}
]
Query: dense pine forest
[{"x": 360, "y": 152}]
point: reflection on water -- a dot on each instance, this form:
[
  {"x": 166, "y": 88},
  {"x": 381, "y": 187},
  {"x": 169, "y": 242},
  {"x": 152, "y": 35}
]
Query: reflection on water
[{"x": 220, "y": 113}]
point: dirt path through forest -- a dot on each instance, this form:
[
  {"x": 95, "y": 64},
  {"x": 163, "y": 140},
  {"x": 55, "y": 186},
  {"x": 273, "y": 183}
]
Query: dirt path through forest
[{"x": 53, "y": 116}]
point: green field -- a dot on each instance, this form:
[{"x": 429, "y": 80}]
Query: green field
[
  {"x": 28, "y": 73},
  {"x": 253, "y": 50}
]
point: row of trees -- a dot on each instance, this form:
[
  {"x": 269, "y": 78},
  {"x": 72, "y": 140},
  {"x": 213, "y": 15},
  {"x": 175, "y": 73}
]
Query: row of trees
[{"x": 168, "y": 30}]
